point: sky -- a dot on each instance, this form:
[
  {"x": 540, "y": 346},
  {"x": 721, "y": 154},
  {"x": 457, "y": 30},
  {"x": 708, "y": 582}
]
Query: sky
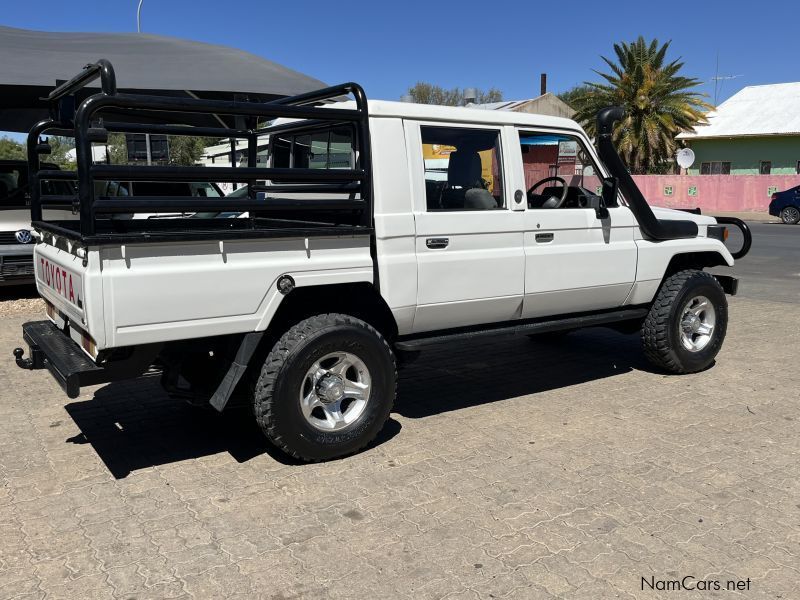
[{"x": 389, "y": 46}]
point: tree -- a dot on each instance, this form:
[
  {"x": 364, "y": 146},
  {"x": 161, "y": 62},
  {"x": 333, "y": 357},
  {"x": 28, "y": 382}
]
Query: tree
[
  {"x": 11, "y": 149},
  {"x": 59, "y": 146},
  {"x": 187, "y": 150},
  {"x": 572, "y": 95},
  {"x": 184, "y": 150},
  {"x": 657, "y": 100},
  {"x": 427, "y": 93}
]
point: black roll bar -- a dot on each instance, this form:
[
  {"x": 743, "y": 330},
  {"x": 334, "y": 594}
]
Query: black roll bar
[
  {"x": 88, "y": 127},
  {"x": 102, "y": 69}
]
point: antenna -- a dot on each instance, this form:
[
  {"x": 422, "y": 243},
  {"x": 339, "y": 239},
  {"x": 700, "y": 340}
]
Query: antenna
[
  {"x": 717, "y": 78},
  {"x": 139, "y": 17}
]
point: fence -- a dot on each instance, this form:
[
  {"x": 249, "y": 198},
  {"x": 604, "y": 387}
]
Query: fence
[{"x": 723, "y": 193}]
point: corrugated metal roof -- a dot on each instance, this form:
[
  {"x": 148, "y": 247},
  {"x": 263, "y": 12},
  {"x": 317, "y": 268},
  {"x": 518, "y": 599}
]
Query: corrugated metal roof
[
  {"x": 505, "y": 105},
  {"x": 757, "y": 110}
]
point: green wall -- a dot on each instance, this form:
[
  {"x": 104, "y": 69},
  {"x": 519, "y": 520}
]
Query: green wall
[{"x": 746, "y": 153}]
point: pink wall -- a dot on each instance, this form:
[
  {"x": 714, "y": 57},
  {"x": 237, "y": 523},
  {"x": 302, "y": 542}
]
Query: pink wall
[{"x": 727, "y": 193}]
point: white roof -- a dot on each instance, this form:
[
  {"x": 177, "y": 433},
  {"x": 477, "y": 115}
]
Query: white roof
[
  {"x": 757, "y": 110},
  {"x": 432, "y": 112},
  {"x": 98, "y": 153}
]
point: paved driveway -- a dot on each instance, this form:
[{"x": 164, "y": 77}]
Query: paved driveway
[{"x": 511, "y": 469}]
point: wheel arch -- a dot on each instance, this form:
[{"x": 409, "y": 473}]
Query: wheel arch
[
  {"x": 699, "y": 260},
  {"x": 357, "y": 299}
]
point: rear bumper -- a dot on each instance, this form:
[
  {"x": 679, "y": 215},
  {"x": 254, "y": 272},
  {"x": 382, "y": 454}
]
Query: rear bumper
[{"x": 52, "y": 349}]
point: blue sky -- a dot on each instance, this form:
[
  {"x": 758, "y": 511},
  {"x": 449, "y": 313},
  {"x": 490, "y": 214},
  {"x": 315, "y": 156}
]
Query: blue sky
[{"x": 482, "y": 44}]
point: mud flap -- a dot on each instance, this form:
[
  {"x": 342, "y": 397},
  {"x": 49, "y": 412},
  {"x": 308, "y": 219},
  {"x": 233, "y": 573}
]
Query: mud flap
[{"x": 239, "y": 365}]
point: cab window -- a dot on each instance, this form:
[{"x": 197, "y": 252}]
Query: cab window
[
  {"x": 559, "y": 172},
  {"x": 463, "y": 169},
  {"x": 330, "y": 148}
]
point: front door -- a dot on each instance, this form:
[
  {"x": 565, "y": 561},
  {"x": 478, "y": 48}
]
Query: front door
[
  {"x": 574, "y": 260},
  {"x": 471, "y": 265}
]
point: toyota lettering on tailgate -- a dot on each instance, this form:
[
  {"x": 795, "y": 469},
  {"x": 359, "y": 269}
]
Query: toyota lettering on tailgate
[{"x": 65, "y": 283}]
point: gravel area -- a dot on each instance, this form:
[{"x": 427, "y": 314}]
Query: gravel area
[{"x": 20, "y": 299}]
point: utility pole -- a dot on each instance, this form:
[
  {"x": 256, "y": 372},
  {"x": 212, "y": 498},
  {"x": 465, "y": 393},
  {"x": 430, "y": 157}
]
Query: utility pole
[{"x": 139, "y": 30}]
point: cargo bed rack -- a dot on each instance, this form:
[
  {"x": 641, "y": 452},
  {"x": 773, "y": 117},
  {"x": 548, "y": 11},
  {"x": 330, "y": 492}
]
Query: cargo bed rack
[{"x": 333, "y": 201}]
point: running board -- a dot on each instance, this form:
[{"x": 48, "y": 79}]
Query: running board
[{"x": 526, "y": 328}]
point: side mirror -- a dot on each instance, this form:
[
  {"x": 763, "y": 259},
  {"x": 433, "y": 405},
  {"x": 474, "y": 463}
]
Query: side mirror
[
  {"x": 610, "y": 191},
  {"x": 599, "y": 206}
]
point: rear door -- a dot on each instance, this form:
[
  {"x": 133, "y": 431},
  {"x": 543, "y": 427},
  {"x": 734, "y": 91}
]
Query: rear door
[
  {"x": 471, "y": 265},
  {"x": 574, "y": 261}
]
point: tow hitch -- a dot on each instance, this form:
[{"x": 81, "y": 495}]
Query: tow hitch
[{"x": 28, "y": 363}]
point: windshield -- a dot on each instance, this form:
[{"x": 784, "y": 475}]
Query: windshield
[
  {"x": 239, "y": 193},
  {"x": 14, "y": 189},
  {"x": 13, "y": 184}
]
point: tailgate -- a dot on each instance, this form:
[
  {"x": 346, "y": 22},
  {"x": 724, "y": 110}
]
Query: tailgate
[{"x": 70, "y": 287}]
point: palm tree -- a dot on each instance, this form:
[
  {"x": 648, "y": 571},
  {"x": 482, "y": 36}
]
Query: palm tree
[{"x": 657, "y": 100}]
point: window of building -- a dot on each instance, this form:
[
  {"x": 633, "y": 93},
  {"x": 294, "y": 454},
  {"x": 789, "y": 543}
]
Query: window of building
[
  {"x": 715, "y": 168},
  {"x": 463, "y": 169},
  {"x": 765, "y": 168},
  {"x": 136, "y": 146},
  {"x": 797, "y": 170}
]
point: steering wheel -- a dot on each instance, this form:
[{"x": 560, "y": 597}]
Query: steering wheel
[{"x": 559, "y": 202}]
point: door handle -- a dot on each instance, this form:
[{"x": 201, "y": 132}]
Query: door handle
[
  {"x": 543, "y": 238},
  {"x": 436, "y": 243}
]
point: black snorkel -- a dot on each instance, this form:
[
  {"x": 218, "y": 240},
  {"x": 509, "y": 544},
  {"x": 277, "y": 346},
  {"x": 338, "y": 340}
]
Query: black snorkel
[{"x": 651, "y": 226}]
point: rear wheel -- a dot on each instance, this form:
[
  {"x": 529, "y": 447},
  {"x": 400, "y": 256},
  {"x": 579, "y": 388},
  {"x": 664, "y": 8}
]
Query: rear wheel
[
  {"x": 326, "y": 388},
  {"x": 790, "y": 215},
  {"x": 686, "y": 325}
]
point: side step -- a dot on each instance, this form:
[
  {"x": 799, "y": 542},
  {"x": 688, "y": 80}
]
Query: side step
[{"x": 414, "y": 343}]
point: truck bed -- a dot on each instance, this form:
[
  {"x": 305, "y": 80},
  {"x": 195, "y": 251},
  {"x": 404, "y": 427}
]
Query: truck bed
[{"x": 129, "y": 231}]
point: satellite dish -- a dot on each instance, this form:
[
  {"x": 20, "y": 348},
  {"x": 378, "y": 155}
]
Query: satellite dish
[{"x": 685, "y": 158}]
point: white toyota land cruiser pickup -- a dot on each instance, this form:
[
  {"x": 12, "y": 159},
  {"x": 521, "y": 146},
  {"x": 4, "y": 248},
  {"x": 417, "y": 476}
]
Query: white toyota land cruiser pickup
[{"x": 381, "y": 230}]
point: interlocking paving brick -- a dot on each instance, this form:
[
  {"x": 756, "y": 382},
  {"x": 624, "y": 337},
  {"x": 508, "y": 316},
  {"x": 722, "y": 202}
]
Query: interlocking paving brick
[{"x": 511, "y": 469}]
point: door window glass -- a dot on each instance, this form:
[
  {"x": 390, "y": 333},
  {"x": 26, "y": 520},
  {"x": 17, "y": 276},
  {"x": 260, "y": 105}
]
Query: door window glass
[
  {"x": 463, "y": 169},
  {"x": 559, "y": 172}
]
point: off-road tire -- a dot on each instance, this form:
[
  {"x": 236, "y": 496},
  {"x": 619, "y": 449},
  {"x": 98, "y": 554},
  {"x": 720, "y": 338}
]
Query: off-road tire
[
  {"x": 790, "y": 215},
  {"x": 276, "y": 391},
  {"x": 661, "y": 333}
]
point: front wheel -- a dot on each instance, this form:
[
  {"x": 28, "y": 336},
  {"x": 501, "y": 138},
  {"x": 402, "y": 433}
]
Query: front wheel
[
  {"x": 790, "y": 215},
  {"x": 326, "y": 388},
  {"x": 686, "y": 325}
]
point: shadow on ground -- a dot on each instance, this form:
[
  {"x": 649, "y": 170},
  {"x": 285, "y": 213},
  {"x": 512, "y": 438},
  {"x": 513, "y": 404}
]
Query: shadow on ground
[
  {"x": 134, "y": 425},
  {"x": 446, "y": 379},
  {"x": 18, "y": 292}
]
